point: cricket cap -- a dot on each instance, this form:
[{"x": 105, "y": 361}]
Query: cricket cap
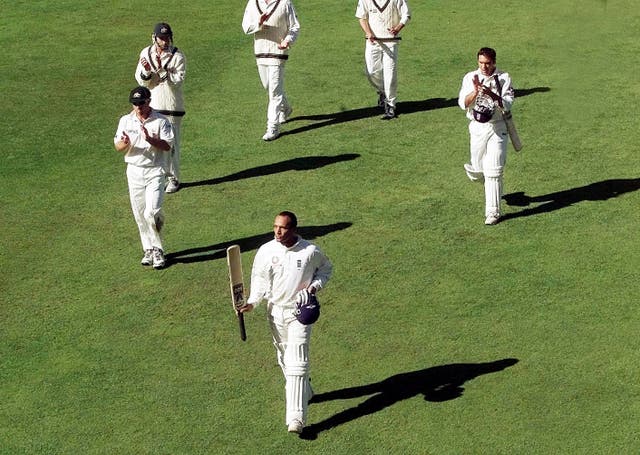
[
  {"x": 139, "y": 95},
  {"x": 163, "y": 29}
]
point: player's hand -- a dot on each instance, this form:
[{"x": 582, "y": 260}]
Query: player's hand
[
  {"x": 476, "y": 83},
  {"x": 395, "y": 30},
  {"x": 302, "y": 297},
  {"x": 163, "y": 74},
  {"x": 284, "y": 44},
  {"x": 145, "y": 64},
  {"x": 149, "y": 138},
  {"x": 125, "y": 138},
  {"x": 246, "y": 308}
]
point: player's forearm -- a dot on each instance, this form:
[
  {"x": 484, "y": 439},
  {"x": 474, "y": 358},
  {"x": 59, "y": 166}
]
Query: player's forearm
[
  {"x": 294, "y": 25},
  {"x": 470, "y": 98},
  {"x": 364, "y": 25},
  {"x": 507, "y": 96},
  {"x": 322, "y": 274},
  {"x": 256, "y": 295},
  {"x": 259, "y": 282},
  {"x": 121, "y": 146},
  {"x": 143, "y": 77},
  {"x": 158, "y": 143}
]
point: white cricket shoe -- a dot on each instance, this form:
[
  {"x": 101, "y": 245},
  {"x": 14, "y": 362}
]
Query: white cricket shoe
[
  {"x": 295, "y": 426},
  {"x": 473, "y": 175},
  {"x": 492, "y": 219},
  {"x": 172, "y": 186},
  {"x": 272, "y": 133},
  {"x": 284, "y": 115},
  {"x": 158, "y": 258},
  {"x": 147, "y": 259}
]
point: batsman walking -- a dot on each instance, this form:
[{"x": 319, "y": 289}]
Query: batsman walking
[
  {"x": 483, "y": 94},
  {"x": 287, "y": 272}
]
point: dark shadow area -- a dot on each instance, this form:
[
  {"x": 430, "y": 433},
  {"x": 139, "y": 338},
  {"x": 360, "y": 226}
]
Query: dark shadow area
[
  {"x": 219, "y": 250},
  {"x": 599, "y": 191},
  {"x": 306, "y": 163},
  {"x": 436, "y": 384},
  {"x": 520, "y": 92},
  {"x": 403, "y": 107}
]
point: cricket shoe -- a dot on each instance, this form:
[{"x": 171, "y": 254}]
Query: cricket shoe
[
  {"x": 158, "y": 258},
  {"x": 295, "y": 426},
  {"x": 492, "y": 219},
  {"x": 474, "y": 176},
  {"x": 285, "y": 115},
  {"x": 172, "y": 186},
  {"x": 389, "y": 112},
  {"x": 272, "y": 133},
  {"x": 147, "y": 259}
]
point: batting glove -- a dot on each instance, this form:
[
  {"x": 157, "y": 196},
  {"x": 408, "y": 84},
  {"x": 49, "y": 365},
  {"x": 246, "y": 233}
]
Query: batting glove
[{"x": 302, "y": 297}]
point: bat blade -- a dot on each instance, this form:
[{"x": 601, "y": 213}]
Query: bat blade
[
  {"x": 513, "y": 132},
  {"x": 236, "y": 282}
]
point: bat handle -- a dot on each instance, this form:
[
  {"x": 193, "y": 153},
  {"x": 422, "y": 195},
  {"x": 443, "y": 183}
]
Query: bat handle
[{"x": 243, "y": 332}]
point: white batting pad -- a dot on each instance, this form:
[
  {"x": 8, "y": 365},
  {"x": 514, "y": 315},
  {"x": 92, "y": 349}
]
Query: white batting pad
[{"x": 493, "y": 193}]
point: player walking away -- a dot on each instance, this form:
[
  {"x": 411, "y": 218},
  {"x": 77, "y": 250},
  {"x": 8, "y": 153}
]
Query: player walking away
[
  {"x": 287, "y": 270},
  {"x": 145, "y": 137},
  {"x": 481, "y": 89},
  {"x": 381, "y": 22},
  {"x": 162, "y": 68},
  {"x": 274, "y": 26}
]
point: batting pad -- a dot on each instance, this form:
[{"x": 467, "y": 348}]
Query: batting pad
[
  {"x": 296, "y": 359},
  {"x": 296, "y": 398},
  {"x": 493, "y": 193}
]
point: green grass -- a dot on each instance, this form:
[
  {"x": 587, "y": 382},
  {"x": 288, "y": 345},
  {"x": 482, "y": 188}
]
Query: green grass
[{"x": 100, "y": 355}]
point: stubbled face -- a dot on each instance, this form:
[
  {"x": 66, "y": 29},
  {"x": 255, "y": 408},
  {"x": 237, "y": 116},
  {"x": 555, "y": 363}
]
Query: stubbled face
[
  {"x": 283, "y": 232},
  {"x": 163, "y": 42},
  {"x": 486, "y": 65},
  {"x": 142, "y": 110}
]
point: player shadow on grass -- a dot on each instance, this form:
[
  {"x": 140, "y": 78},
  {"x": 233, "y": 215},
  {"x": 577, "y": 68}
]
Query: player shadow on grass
[
  {"x": 403, "y": 107},
  {"x": 436, "y": 384},
  {"x": 598, "y": 191},
  {"x": 219, "y": 250},
  {"x": 296, "y": 164}
]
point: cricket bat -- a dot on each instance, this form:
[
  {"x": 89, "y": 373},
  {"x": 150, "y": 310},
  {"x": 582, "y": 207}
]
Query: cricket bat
[
  {"x": 236, "y": 282},
  {"x": 511, "y": 129},
  {"x": 508, "y": 120}
]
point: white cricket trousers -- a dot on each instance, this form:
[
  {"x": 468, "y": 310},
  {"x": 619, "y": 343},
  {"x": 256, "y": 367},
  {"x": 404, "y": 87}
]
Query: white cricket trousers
[
  {"x": 146, "y": 192},
  {"x": 291, "y": 339},
  {"x": 174, "y": 160},
  {"x": 380, "y": 66},
  {"x": 488, "y": 146},
  {"x": 272, "y": 78}
]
